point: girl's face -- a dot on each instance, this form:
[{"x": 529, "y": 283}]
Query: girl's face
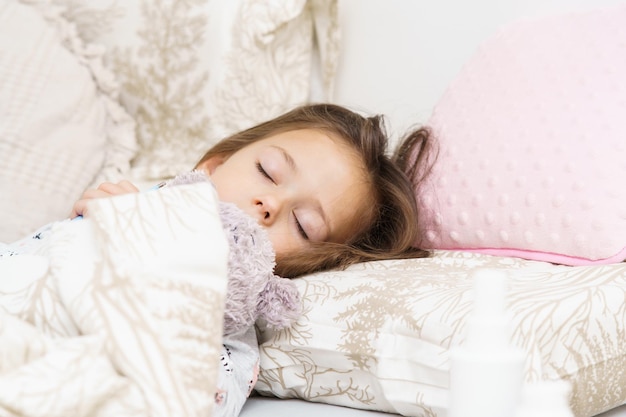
[{"x": 303, "y": 186}]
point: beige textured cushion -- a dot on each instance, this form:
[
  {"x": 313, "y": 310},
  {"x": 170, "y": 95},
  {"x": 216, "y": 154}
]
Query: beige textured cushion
[
  {"x": 377, "y": 336},
  {"x": 193, "y": 72},
  {"x": 60, "y": 126}
]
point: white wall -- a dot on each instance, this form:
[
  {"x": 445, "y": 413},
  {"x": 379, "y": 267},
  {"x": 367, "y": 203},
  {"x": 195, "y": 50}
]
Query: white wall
[{"x": 399, "y": 55}]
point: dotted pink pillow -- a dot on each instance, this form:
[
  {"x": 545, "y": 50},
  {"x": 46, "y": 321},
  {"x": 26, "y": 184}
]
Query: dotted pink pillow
[{"x": 532, "y": 136}]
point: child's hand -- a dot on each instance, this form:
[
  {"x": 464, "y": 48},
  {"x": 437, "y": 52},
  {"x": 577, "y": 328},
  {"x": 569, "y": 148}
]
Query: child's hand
[{"x": 106, "y": 189}]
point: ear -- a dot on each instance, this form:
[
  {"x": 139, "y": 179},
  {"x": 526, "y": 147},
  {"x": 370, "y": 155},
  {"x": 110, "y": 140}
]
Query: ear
[{"x": 211, "y": 164}]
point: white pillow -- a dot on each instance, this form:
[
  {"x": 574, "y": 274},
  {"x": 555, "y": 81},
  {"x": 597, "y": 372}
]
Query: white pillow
[
  {"x": 377, "y": 336},
  {"x": 60, "y": 126},
  {"x": 194, "y": 72}
]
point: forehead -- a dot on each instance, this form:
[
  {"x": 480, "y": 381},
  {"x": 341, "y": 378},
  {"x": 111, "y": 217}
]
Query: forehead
[
  {"x": 326, "y": 151},
  {"x": 310, "y": 137}
]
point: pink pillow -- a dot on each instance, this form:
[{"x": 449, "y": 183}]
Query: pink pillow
[{"x": 532, "y": 132}]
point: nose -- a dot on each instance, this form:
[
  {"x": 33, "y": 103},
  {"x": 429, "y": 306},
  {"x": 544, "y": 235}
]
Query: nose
[{"x": 267, "y": 208}]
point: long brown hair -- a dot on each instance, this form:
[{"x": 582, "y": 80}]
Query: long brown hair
[{"x": 394, "y": 228}]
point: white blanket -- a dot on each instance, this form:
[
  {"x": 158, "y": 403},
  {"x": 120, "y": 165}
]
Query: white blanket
[{"x": 119, "y": 314}]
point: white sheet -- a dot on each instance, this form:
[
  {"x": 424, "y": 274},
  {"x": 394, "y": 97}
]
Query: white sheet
[{"x": 276, "y": 407}]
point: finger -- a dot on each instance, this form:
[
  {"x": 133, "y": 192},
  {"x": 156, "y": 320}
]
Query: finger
[
  {"x": 110, "y": 188},
  {"x": 80, "y": 207},
  {"x": 128, "y": 186},
  {"x": 106, "y": 189},
  {"x": 91, "y": 193},
  {"x": 122, "y": 187}
]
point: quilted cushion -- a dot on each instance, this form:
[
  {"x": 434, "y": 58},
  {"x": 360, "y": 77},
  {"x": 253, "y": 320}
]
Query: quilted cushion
[
  {"x": 533, "y": 156},
  {"x": 61, "y": 127}
]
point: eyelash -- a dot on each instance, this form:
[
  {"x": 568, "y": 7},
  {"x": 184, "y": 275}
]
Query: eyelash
[
  {"x": 300, "y": 228},
  {"x": 263, "y": 172}
]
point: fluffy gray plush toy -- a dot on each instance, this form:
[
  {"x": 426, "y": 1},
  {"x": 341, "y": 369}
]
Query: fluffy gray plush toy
[{"x": 254, "y": 291}]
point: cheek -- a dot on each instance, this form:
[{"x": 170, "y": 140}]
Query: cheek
[
  {"x": 283, "y": 241},
  {"x": 354, "y": 222},
  {"x": 229, "y": 188},
  {"x": 225, "y": 194},
  {"x": 279, "y": 242}
]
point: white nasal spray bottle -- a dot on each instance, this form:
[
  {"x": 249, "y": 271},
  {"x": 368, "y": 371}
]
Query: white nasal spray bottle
[{"x": 487, "y": 371}]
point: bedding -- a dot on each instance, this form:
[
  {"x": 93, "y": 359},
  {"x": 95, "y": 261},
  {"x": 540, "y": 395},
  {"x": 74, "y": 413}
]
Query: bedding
[
  {"x": 258, "y": 406},
  {"x": 119, "y": 313},
  {"x": 61, "y": 126},
  {"x": 276, "y": 407},
  {"x": 532, "y": 153},
  {"x": 374, "y": 340},
  {"x": 377, "y": 336},
  {"x": 193, "y": 72}
]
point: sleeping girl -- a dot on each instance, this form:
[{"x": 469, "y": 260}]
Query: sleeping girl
[{"x": 318, "y": 184}]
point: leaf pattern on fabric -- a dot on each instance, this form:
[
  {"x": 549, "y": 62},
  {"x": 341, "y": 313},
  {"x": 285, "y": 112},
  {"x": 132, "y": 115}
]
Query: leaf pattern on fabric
[
  {"x": 162, "y": 76},
  {"x": 387, "y": 327},
  {"x": 268, "y": 65},
  {"x": 192, "y": 72},
  {"x": 128, "y": 317}
]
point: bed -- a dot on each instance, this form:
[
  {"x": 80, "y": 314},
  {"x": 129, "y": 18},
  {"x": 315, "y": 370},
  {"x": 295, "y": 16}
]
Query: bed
[
  {"x": 528, "y": 111},
  {"x": 268, "y": 406}
]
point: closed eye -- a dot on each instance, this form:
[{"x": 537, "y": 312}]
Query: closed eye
[
  {"x": 263, "y": 172},
  {"x": 301, "y": 230}
]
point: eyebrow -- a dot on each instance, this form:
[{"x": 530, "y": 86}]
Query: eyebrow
[
  {"x": 287, "y": 157},
  {"x": 292, "y": 164}
]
